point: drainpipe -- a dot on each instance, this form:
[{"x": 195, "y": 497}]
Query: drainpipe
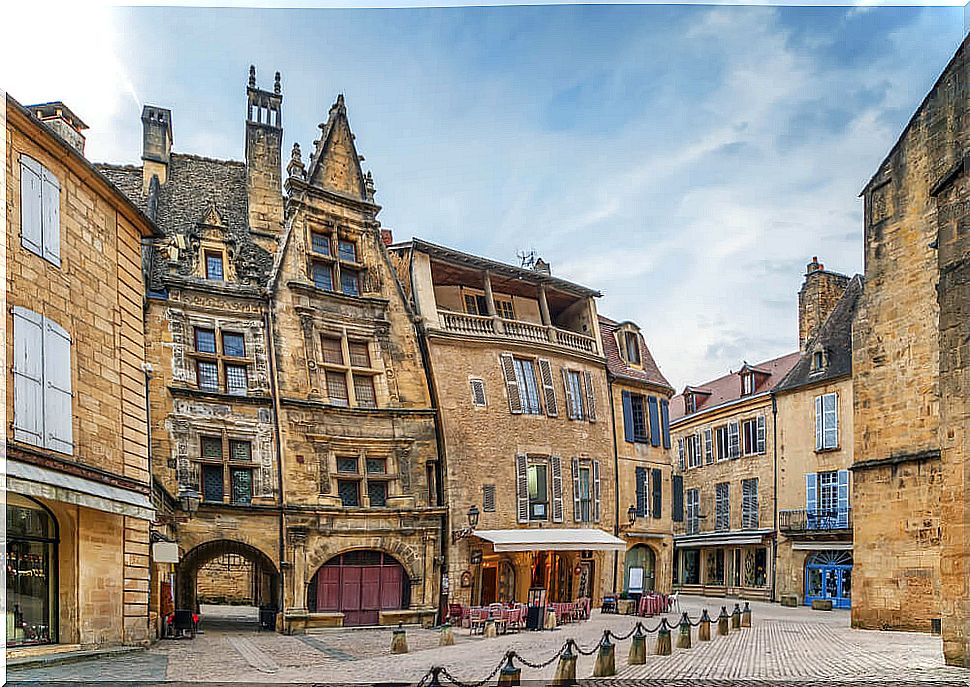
[
  {"x": 274, "y": 393},
  {"x": 616, "y": 480},
  {"x": 774, "y": 513}
]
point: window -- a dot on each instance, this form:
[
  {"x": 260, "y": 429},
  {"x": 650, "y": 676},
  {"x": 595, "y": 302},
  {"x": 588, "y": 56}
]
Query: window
[
  {"x": 40, "y": 210},
  {"x": 748, "y": 385},
  {"x": 826, "y": 422},
  {"x": 708, "y": 446},
  {"x": 680, "y": 453},
  {"x": 212, "y": 484},
  {"x": 337, "y": 388},
  {"x": 632, "y": 345},
  {"x": 350, "y": 282},
  {"x": 237, "y": 382},
  {"x": 242, "y": 485},
  {"x": 364, "y": 391},
  {"x": 538, "y": 491},
  {"x": 233, "y": 344},
  {"x": 377, "y": 493},
  {"x": 347, "y": 250},
  {"x": 43, "y": 402},
  {"x": 818, "y": 361},
  {"x": 525, "y": 376},
  {"x": 320, "y": 243},
  {"x": 349, "y": 492},
  {"x": 208, "y": 373},
  {"x": 333, "y": 352},
  {"x": 641, "y": 484},
  {"x": 692, "y": 444},
  {"x": 692, "y": 566},
  {"x": 478, "y": 392},
  {"x": 240, "y": 451},
  {"x": 475, "y": 304},
  {"x": 205, "y": 340},
  {"x": 828, "y": 491},
  {"x": 693, "y": 511},
  {"x": 721, "y": 442},
  {"x": 584, "y": 496},
  {"x": 504, "y": 309},
  {"x": 347, "y": 464},
  {"x": 574, "y": 394},
  {"x": 722, "y": 507},
  {"x": 376, "y": 466},
  {"x": 690, "y": 403},
  {"x": 323, "y": 276},
  {"x": 212, "y": 448},
  {"x": 753, "y": 435},
  {"x": 213, "y": 266},
  {"x": 488, "y": 498},
  {"x": 734, "y": 440},
  {"x": 359, "y": 354},
  {"x": 639, "y": 418},
  {"x": 213, "y": 452},
  {"x": 749, "y": 504}
]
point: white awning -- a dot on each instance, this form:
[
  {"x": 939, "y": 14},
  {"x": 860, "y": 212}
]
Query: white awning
[
  {"x": 740, "y": 537},
  {"x": 822, "y": 546},
  {"x": 33, "y": 480},
  {"x": 552, "y": 539}
]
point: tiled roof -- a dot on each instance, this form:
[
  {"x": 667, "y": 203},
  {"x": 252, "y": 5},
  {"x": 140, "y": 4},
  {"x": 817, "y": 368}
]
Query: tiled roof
[
  {"x": 617, "y": 366},
  {"x": 835, "y": 338},
  {"x": 728, "y": 388}
]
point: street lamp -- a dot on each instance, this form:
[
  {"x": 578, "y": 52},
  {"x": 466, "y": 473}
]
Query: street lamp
[
  {"x": 189, "y": 500},
  {"x": 473, "y": 516},
  {"x": 631, "y": 514},
  {"x": 457, "y": 535}
]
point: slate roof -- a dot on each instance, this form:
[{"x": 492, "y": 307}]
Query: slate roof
[
  {"x": 835, "y": 337},
  {"x": 618, "y": 367},
  {"x": 728, "y": 388}
]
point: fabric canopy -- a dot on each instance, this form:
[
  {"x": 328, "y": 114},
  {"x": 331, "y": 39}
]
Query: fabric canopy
[{"x": 552, "y": 540}]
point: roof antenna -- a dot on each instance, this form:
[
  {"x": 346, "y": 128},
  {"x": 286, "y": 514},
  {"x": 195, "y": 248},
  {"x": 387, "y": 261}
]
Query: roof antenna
[{"x": 527, "y": 259}]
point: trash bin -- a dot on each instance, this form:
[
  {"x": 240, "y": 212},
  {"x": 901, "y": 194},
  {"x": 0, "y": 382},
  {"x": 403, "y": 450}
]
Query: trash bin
[{"x": 267, "y": 617}]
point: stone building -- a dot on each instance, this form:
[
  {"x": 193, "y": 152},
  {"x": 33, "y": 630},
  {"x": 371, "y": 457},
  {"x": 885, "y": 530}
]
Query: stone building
[
  {"x": 909, "y": 379},
  {"x": 516, "y": 362},
  {"x": 815, "y": 440},
  {"x": 78, "y": 504},
  {"x": 724, "y": 482},
  {"x": 640, "y": 406}
]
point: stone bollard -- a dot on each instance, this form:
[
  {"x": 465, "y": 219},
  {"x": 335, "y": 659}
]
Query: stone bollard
[
  {"x": 722, "y": 622},
  {"x": 490, "y": 629},
  {"x": 566, "y": 670},
  {"x": 683, "y": 639},
  {"x": 638, "y": 647},
  {"x": 399, "y": 641},
  {"x": 746, "y": 615},
  {"x": 510, "y": 675},
  {"x": 704, "y": 629},
  {"x": 736, "y": 617},
  {"x": 605, "y": 665},
  {"x": 446, "y": 637},
  {"x": 552, "y": 622},
  {"x": 663, "y": 639}
]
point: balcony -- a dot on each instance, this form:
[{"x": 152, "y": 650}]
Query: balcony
[
  {"x": 483, "y": 325},
  {"x": 817, "y": 521}
]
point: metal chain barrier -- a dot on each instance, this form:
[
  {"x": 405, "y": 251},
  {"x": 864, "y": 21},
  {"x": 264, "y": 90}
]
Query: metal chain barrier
[
  {"x": 540, "y": 666},
  {"x": 455, "y": 681}
]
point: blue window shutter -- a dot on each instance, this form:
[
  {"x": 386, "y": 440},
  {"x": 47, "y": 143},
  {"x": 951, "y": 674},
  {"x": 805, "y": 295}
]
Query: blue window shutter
[
  {"x": 843, "y": 520},
  {"x": 641, "y": 474},
  {"x": 811, "y": 493},
  {"x": 627, "y": 417},
  {"x": 656, "y": 484},
  {"x": 677, "y": 487},
  {"x": 654, "y": 421},
  {"x": 665, "y": 420}
]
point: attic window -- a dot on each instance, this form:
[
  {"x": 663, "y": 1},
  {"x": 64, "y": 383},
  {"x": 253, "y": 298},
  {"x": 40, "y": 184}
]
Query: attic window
[
  {"x": 632, "y": 345},
  {"x": 690, "y": 403},
  {"x": 819, "y": 360},
  {"x": 748, "y": 384}
]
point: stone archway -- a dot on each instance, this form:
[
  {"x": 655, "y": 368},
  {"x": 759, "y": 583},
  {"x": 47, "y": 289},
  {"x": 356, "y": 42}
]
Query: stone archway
[
  {"x": 265, "y": 576},
  {"x": 360, "y": 584}
]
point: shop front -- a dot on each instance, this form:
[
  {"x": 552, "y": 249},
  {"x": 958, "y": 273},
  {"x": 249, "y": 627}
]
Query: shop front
[
  {"x": 729, "y": 564},
  {"x": 828, "y": 575},
  {"x": 32, "y": 589}
]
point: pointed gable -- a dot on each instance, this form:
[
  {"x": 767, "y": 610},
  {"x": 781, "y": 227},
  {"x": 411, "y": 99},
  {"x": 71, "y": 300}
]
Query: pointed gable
[{"x": 336, "y": 164}]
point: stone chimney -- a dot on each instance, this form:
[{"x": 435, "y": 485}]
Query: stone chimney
[
  {"x": 387, "y": 236},
  {"x": 156, "y": 151},
  {"x": 264, "y": 143},
  {"x": 818, "y": 296},
  {"x": 65, "y": 123}
]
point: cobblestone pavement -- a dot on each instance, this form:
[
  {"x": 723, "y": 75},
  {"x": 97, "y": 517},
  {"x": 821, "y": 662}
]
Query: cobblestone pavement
[{"x": 784, "y": 643}]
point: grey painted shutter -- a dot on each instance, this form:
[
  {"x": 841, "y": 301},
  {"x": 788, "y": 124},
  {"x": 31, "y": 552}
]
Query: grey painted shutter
[
  {"x": 568, "y": 394},
  {"x": 677, "y": 498},
  {"x": 28, "y": 376},
  {"x": 708, "y": 446},
  {"x": 577, "y": 504},
  {"x": 627, "y": 416},
  {"x": 557, "y": 514},
  {"x": 51, "y": 201},
  {"x": 734, "y": 440},
  {"x": 31, "y": 205},
  {"x": 680, "y": 451},
  {"x": 655, "y": 433},
  {"x": 656, "y": 484},
  {"x": 596, "y": 490},
  {"x": 58, "y": 413},
  {"x": 830, "y": 428},
  {"x": 590, "y": 398},
  {"x": 665, "y": 421},
  {"x": 511, "y": 384},
  {"x": 522, "y": 487},
  {"x": 548, "y": 390},
  {"x": 843, "y": 516},
  {"x": 761, "y": 434},
  {"x": 818, "y": 423},
  {"x": 641, "y": 476}
]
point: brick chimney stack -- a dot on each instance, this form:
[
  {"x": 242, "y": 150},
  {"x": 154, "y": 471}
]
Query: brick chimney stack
[
  {"x": 820, "y": 291},
  {"x": 156, "y": 124},
  {"x": 65, "y": 123}
]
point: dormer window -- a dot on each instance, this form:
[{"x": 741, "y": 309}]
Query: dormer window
[
  {"x": 213, "y": 266},
  {"x": 632, "y": 345},
  {"x": 819, "y": 360},
  {"x": 748, "y": 384},
  {"x": 690, "y": 403}
]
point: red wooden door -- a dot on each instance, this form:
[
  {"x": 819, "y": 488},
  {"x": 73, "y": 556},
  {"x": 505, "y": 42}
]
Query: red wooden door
[
  {"x": 350, "y": 594},
  {"x": 370, "y": 595},
  {"x": 362, "y": 589},
  {"x": 328, "y": 588},
  {"x": 391, "y": 580}
]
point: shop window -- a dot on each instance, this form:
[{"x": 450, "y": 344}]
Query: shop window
[
  {"x": 31, "y": 580},
  {"x": 691, "y": 566},
  {"x": 715, "y": 566}
]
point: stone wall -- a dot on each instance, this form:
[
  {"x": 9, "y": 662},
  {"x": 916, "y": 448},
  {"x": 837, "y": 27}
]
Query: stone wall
[
  {"x": 227, "y": 579},
  {"x": 817, "y": 298}
]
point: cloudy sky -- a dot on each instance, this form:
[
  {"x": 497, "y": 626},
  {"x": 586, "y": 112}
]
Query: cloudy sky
[{"x": 688, "y": 161}]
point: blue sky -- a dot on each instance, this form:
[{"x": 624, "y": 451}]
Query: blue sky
[{"x": 688, "y": 161}]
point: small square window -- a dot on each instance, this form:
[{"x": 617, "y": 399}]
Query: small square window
[
  {"x": 337, "y": 388},
  {"x": 505, "y": 309},
  {"x": 212, "y": 484},
  {"x": 213, "y": 267},
  {"x": 240, "y": 450},
  {"x": 242, "y": 485},
  {"x": 347, "y": 251},
  {"x": 347, "y": 464},
  {"x": 323, "y": 276},
  {"x": 320, "y": 243},
  {"x": 377, "y": 466},
  {"x": 333, "y": 353},
  {"x": 234, "y": 344},
  {"x": 478, "y": 392},
  {"x": 377, "y": 493},
  {"x": 364, "y": 391},
  {"x": 237, "y": 382},
  {"x": 205, "y": 340},
  {"x": 359, "y": 354},
  {"x": 349, "y": 491},
  {"x": 350, "y": 282},
  {"x": 208, "y": 375},
  {"x": 212, "y": 448}
]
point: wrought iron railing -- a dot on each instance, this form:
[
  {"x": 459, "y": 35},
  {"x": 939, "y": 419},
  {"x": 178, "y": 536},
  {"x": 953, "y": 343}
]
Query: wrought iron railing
[{"x": 818, "y": 520}]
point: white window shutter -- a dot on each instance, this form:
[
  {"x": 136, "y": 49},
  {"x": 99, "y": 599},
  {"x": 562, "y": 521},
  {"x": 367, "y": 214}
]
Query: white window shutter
[
  {"x": 511, "y": 385},
  {"x": 58, "y": 411},
  {"x": 818, "y": 423},
  {"x": 680, "y": 452},
  {"x": 31, "y": 205},
  {"x": 590, "y": 398},
  {"x": 52, "y": 218},
  {"x": 761, "y": 434},
  {"x": 596, "y": 491},
  {"x": 830, "y": 424},
  {"x": 28, "y": 376},
  {"x": 522, "y": 486},
  {"x": 569, "y": 394},
  {"x": 557, "y": 505},
  {"x": 577, "y": 506},
  {"x": 548, "y": 389}
]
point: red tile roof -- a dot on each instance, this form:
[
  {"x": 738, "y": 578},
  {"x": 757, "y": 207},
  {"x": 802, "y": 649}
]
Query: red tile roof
[
  {"x": 649, "y": 372},
  {"x": 728, "y": 388}
]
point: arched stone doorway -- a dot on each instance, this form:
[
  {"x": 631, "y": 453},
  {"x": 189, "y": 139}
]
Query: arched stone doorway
[
  {"x": 263, "y": 579},
  {"x": 360, "y": 584},
  {"x": 828, "y": 575},
  {"x": 640, "y": 570}
]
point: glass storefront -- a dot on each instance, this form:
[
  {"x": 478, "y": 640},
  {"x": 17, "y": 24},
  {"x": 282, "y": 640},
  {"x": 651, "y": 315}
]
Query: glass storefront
[{"x": 31, "y": 572}]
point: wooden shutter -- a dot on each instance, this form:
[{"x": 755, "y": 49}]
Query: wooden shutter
[
  {"x": 577, "y": 501},
  {"x": 557, "y": 509},
  {"x": 522, "y": 487},
  {"x": 734, "y": 440},
  {"x": 656, "y": 485},
  {"x": 58, "y": 413},
  {"x": 654, "y": 421},
  {"x": 708, "y": 446},
  {"x": 680, "y": 452},
  {"x": 641, "y": 488},
  {"x": 818, "y": 423},
  {"x": 811, "y": 493},
  {"x": 548, "y": 390},
  {"x": 51, "y": 202},
  {"x": 677, "y": 497},
  {"x": 31, "y": 205},
  {"x": 488, "y": 498},
  {"x": 665, "y": 421},
  {"x": 511, "y": 384},
  {"x": 761, "y": 434},
  {"x": 843, "y": 516},
  {"x": 830, "y": 424},
  {"x": 627, "y": 416},
  {"x": 28, "y": 376},
  {"x": 590, "y": 397},
  {"x": 596, "y": 490},
  {"x": 568, "y": 394}
]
